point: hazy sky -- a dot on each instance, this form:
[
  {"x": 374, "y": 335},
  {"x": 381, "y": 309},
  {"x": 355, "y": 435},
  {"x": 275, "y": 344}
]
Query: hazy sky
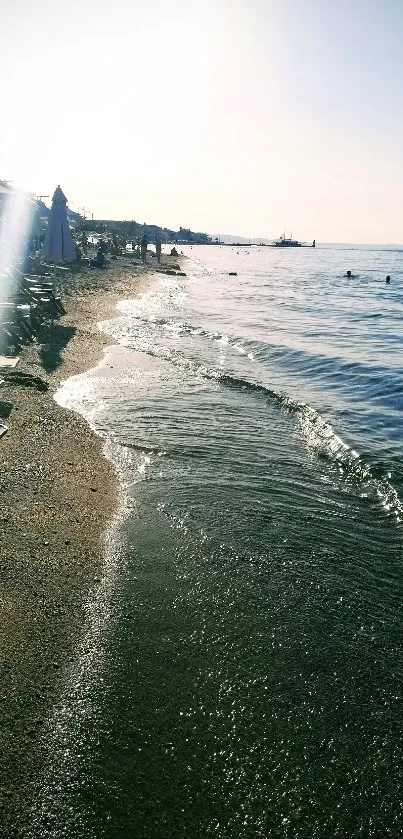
[{"x": 230, "y": 116}]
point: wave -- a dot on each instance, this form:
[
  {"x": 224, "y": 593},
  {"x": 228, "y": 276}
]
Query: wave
[
  {"x": 377, "y": 382},
  {"x": 321, "y": 438},
  {"x": 178, "y": 326},
  {"x": 318, "y": 433},
  {"x": 145, "y": 450}
]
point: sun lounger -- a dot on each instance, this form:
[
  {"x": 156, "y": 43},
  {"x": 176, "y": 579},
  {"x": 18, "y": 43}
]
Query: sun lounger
[{"x": 7, "y": 363}]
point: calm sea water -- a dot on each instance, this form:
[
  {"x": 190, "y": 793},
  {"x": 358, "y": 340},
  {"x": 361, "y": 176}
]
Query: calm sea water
[{"x": 241, "y": 669}]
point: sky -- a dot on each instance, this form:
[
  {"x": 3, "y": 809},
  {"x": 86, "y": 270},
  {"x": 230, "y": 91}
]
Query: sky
[{"x": 225, "y": 116}]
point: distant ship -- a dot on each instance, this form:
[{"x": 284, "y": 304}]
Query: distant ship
[{"x": 283, "y": 242}]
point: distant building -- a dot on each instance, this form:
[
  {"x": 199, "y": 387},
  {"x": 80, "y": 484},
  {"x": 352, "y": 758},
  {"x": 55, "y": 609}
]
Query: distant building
[{"x": 185, "y": 236}]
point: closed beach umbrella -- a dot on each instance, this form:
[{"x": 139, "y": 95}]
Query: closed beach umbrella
[{"x": 59, "y": 245}]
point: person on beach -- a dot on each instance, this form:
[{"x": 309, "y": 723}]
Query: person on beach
[
  {"x": 158, "y": 249},
  {"x": 143, "y": 248},
  {"x": 99, "y": 260}
]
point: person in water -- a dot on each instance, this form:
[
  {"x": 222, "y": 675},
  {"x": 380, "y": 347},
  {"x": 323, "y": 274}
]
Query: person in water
[
  {"x": 349, "y": 275},
  {"x": 388, "y": 279}
]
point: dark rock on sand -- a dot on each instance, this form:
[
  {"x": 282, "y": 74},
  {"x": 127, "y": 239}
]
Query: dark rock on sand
[
  {"x": 5, "y": 409},
  {"x": 17, "y": 377}
]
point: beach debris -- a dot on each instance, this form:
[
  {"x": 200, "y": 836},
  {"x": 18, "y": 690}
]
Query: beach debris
[
  {"x": 171, "y": 272},
  {"x": 3, "y": 430}
]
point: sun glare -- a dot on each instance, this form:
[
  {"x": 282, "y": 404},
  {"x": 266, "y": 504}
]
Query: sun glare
[{"x": 16, "y": 226}]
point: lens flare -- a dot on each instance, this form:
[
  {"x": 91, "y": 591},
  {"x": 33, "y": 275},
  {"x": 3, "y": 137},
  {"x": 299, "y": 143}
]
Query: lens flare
[{"x": 17, "y": 217}]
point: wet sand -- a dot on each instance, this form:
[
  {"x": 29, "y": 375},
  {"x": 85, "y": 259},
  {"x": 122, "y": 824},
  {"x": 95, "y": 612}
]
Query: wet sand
[{"x": 57, "y": 493}]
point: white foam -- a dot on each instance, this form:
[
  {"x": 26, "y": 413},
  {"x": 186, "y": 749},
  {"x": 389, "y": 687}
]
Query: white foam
[{"x": 321, "y": 437}]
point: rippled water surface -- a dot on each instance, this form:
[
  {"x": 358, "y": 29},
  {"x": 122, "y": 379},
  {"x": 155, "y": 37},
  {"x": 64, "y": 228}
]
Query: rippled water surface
[{"x": 241, "y": 671}]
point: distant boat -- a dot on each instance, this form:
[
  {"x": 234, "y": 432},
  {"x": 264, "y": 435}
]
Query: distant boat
[{"x": 284, "y": 242}]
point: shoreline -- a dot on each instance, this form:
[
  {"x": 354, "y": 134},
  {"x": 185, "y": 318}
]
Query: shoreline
[{"x": 59, "y": 493}]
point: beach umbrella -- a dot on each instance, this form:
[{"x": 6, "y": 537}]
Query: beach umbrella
[{"x": 59, "y": 245}]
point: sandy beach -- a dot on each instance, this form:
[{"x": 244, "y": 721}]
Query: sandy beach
[{"x": 58, "y": 492}]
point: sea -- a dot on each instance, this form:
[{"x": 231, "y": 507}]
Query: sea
[{"x": 240, "y": 673}]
